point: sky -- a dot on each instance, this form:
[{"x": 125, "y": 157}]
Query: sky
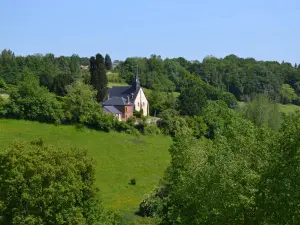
[{"x": 262, "y": 29}]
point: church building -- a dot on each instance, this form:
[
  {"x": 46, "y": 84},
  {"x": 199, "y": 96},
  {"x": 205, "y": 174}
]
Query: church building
[{"x": 123, "y": 100}]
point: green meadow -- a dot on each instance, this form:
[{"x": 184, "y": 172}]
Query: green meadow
[
  {"x": 289, "y": 108},
  {"x": 118, "y": 158}
]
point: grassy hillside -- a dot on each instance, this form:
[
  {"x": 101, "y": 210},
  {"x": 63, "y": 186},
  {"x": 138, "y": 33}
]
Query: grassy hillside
[
  {"x": 288, "y": 108},
  {"x": 282, "y": 108},
  {"x": 119, "y": 157}
]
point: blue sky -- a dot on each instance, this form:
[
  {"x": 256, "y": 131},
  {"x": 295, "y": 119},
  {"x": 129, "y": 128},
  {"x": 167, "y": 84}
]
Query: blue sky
[{"x": 263, "y": 29}]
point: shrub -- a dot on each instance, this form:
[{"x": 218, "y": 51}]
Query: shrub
[
  {"x": 121, "y": 126},
  {"x": 138, "y": 114},
  {"x": 131, "y": 121},
  {"x": 3, "y": 103},
  {"x": 151, "y": 130},
  {"x": 198, "y": 125},
  {"x": 170, "y": 123},
  {"x": 133, "y": 181},
  {"x": 32, "y": 102},
  {"x": 46, "y": 185},
  {"x": 133, "y": 131},
  {"x": 3, "y": 84}
]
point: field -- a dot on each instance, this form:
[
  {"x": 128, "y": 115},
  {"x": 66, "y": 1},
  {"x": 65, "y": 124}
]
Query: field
[
  {"x": 118, "y": 156},
  {"x": 288, "y": 108},
  {"x": 282, "y": 108}
]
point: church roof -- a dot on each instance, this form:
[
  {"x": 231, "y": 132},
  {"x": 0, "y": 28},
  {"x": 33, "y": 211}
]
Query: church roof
[
  {"x": 123, "y": 92},
  {"x": 111, "y": 109},
  {"x": 116, "y": 101}
]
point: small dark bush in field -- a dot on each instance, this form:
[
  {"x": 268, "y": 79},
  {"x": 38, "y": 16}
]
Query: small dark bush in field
[
  {"x": 133, "y": 181},
  {"x": 38, "y": 142}
]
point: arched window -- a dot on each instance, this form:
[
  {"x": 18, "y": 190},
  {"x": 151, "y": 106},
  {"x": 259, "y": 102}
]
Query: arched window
[
  {"x": 143, "y": 103},
  {"x": 138, "y": 104}
]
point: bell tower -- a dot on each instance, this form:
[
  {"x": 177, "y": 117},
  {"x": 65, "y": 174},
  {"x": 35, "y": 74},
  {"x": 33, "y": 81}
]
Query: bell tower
[{"x": 136, "y": 82}]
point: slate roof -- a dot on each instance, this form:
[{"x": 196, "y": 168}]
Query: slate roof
[
  {"x": 111, "y": 109},
  {"x": 116, "y": 101},
  {"x": 123, "y": 92}
]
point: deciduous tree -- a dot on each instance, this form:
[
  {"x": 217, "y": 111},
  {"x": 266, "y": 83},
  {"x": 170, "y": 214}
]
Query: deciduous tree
[{"x": 45, "y": 185}]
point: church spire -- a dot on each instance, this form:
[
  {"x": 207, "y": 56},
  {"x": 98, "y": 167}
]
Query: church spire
[{"x": 136, "y": 82}]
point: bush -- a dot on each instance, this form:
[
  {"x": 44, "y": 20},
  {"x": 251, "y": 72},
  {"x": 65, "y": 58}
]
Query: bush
[
  {"x": 121, "y": 126},
  {"x": 133, "y": 131},
  {"x": 131, "y": 121},
  {"x": 46, "y": 185},
  {"x": 170, "y": 123},
  {"x": 32, "y": 102},
  {"x": 3, "y": 84},
  {"x": 133, "y": 181},
  {"x": 151, "y": 130},
  {"x": 198, "y": 125},
  {"x": 3, "y": 103},
  {"x": 138, "y": 114},
  {"x": 99, "y": 121}
]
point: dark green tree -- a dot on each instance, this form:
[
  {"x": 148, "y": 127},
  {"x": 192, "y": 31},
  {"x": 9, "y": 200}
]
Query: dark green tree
[
  {"x": 45, "y": 185},
  {"x": 108, "y": 63},
  {"x": 98, "y": 76},
  {"x": 192, "y": 101}
]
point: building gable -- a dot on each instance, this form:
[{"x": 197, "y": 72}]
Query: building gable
[{"x": 141, "y": 102}]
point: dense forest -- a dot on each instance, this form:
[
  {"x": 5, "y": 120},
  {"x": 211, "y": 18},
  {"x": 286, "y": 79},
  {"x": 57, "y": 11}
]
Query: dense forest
[
  {"x": 229, "y": 164},
  {"x": 244, "y": 78}
]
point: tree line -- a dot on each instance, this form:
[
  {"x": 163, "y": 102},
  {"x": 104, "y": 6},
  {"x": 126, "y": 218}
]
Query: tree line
[{"x": 243, "y": 77}]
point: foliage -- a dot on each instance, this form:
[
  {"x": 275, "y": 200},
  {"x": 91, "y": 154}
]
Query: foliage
[
  {"x": 30, "y": 101},
  {"x": 138, "y": 114},
  {"x": 98, "y": 76},
  {"x": 60, "y": 82},
  {"x": 44, "y": 185},
  {"x": 217, "y": 116},
  {"x": 243, "y": 77},
  {"x": 192, "y": 100},
  {"x": 287, "y": 94},
  {"x": 198, "y": 125},
  {"x": 80, "y": 102},
  {"x": 107, "y": 62},
  {"x": 133, "y": 181},
  {"x": 170, "y": 122},
  {"x": 3, "y": 110},
  {"x": 151, "y": 130},
  {"x": 214, "y": 182},
  {"x": 244, "y": 175},
  {"x": 3, "y": 85},
  {"x": 113, "y": 77},
  {"x": 82, "y": 107},
  {"x": 263, "y": 112},
  {"x": 279, "y": 186}
]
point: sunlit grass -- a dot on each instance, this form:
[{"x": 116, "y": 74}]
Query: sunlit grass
[{"x": 118, "y": 157}]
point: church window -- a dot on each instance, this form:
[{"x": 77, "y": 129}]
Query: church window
[
  {"x": 143, "y": 103},
  {"x": 138, "y": 104}
]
